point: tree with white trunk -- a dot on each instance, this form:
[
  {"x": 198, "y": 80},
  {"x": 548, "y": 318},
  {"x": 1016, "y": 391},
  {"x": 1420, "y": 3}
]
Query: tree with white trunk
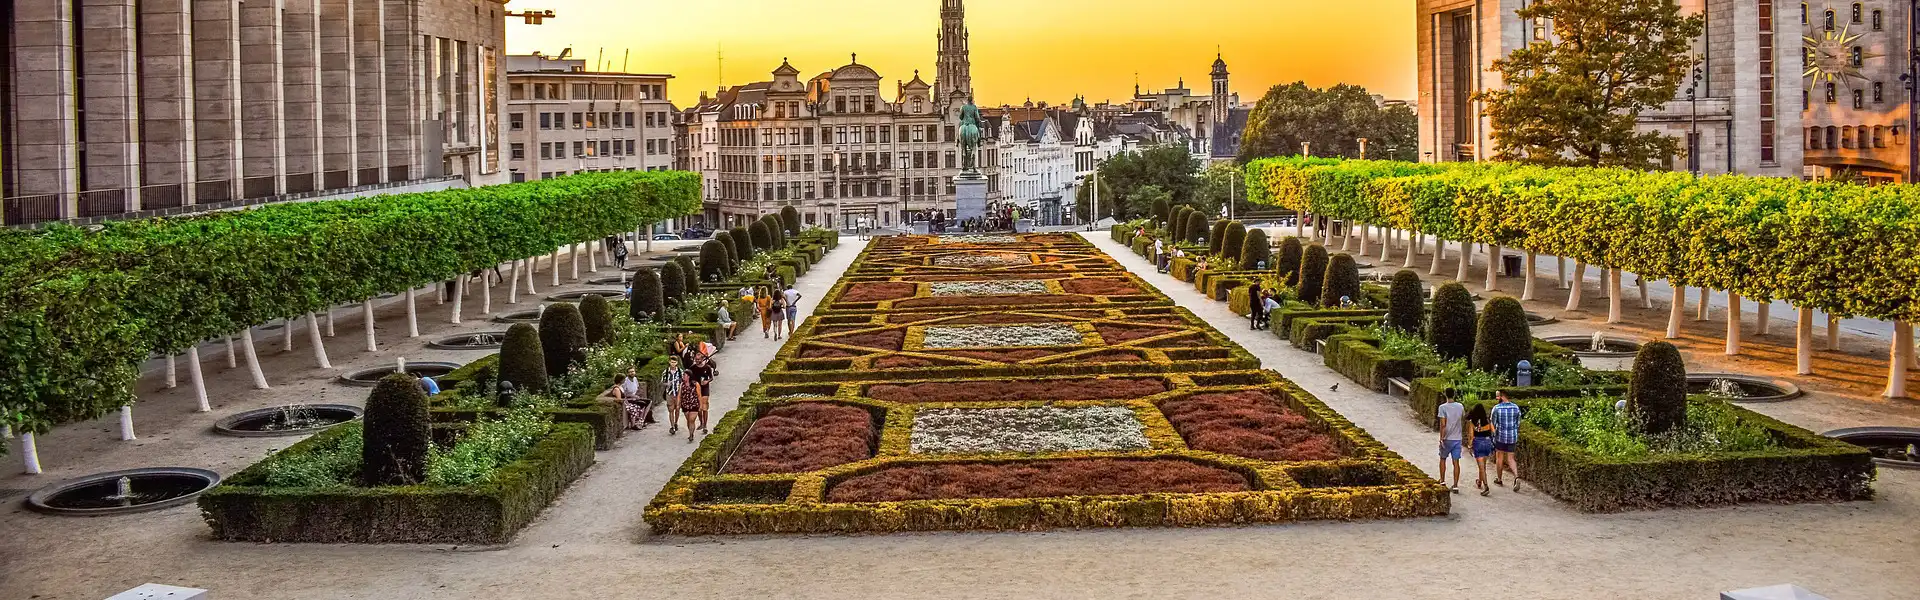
[
  {"x": 319, "y": 344},
  {"x": 253, "y": 359}
]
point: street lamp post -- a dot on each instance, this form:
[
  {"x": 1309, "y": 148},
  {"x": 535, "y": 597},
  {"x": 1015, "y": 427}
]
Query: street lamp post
[
  {"x": 1363, "y": 148},
  {"x": 1693, "y": 125},
  {"x": 1913, "y": 89}
]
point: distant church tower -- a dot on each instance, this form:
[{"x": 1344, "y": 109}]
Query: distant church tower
[
  {"x": 1221, "y": 107},
  {"x": 954, "y": 79}
]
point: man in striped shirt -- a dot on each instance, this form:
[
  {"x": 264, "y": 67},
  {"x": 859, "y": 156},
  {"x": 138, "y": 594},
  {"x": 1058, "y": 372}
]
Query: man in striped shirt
[{"x": 1506, "y": 437}]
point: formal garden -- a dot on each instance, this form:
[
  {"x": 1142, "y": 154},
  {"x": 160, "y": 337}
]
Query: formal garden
[
  {"x": 1600, "y": 440},
  {"x": 1038, "y": 385}
]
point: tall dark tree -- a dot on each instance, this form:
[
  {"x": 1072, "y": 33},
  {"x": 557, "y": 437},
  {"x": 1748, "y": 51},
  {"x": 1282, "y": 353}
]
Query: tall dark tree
[
  {"x": 1177, "y": 226},
  {"x": 1577, "y": 100},
  {"x": 1330, "y": 120},
  {"x": 691, "y": 274},
  {"x": 673, "y": 284},
  {"x": 563, "y": 336},
  {"x": 1255, "y": 250},
  {"x": 1342, "y": 281},
  {"x": 762, "y": 238},
  {"x": 648, "y": 300},
  {"x": 1407, "y": 303},
  {"x": 1451, "y": 328},
  {"x": 1288, "y": 265},
  {"x": 713, "y": 261},
  {"x": 598, "y": 317},
  {"x": 726, "y": 243},
  {"x": 1196, "y": 231},
  {"x": 1162, "y": 210},
  {"x": 396, "y": 433},
  {"x": 1313, "y": 273},
  {"x": 1503, "y": 338},
  {"x": 522, "y": 360},
  {"x": 1234, "y": 241},
  {"x": 1171, "y": 167},
  {"x": 1216, "y": 237},
  {"x": 742, "y": 243},
  {"x": 1657, "y": 395},
  {"x": 790, "y": 220}
]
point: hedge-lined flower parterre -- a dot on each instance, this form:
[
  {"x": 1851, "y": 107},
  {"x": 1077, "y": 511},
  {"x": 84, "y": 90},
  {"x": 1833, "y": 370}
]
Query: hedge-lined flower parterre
[
  {"x": 1019, "y": 291},
  {"x": 1030, "y": 253},
  {"x": 1111, "y": 340},
  {"x": 1196, "y": 372}
]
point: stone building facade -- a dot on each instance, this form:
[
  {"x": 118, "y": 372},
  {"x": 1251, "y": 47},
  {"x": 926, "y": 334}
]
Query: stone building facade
[
  {"x": 115, "y": 106},
  {"x": 563, "y": 119},
  {"x": 1856, "y": 119}
]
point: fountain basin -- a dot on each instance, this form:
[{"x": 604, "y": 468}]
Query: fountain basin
[
  {"x": 693, "y": 248},
  {"x": 479, "y": 340},
  {"x": 1888, "y": 444},
  {"x": 99, "y": 494},
  {"x": 1756, "y": 389},
  {"x": 294, "y": 419},
  {"x": 1582, "y": 346},
  {"x": 1535, "y": 319},
  {"x": 370, "y": 377},
  {"x": 531, "y": 315},
  {"x": 577, "y": 295},
  {"x": 614, "y": 280}
]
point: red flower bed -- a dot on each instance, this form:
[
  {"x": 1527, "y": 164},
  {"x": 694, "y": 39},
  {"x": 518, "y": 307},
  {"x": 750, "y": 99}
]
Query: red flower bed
[
  {"x": 1013, "y": 355},
  {"x": 878, "y": 291},
  {"x": 1100, "y": 287},
  {"x": 885, "y": 339},
  {"x": 1115, "y": 333},
  {"x": 804, "y": 436},
  {"x": 996, "y": 276},
  {"x": 1252, "y": 424},
  {"x": 1038, "y": 479},
  {"x": 1049, "y": 389},
  {"x": 991, "y": 300},
  {"x": 994, "y": 318},
  {"x": 909, "y": 362},
  {"x": 816, "y": 352}
]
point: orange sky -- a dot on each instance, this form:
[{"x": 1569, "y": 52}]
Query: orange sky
[{"x": 1049, "y": 50}]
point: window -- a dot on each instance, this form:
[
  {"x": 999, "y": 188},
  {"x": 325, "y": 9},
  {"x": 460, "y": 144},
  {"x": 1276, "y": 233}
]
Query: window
[
  {"x": 950, "y": 160},
  {"x": 1813, "y": 138},
  {"x": 806, "y": 136},
  {"x": 766, "y": 191},
  {"x": 1879, "y": 139},
  {"x": 540, "y": 91},
  {"x": 1803, "y": 13},
  {"x": 629, "y": 119},
  {"x": 605, "y": 148},
  {"x": 605, "y": 121},
  {"x": 1879, "y": 95},
  {"x": 546, "y": 150},
  {"x": 766, "y": 137},
  {"x": 519, "y": 151},
  {"x": 579, "y": 120},
  {"x": 1859, "y": 99},
  {"x": 916, "y": 105},
  {"x": 933, "y": 133},
  {"x": 886, "y": 134},
  {"x": 1856, "y": 12},
  {"x": 807, "y": 163},
  {"x": 871, "y": 136},
  {"x": 649, "y": 144},
  {"x": 949, "y": 134},
  {"x": 546, "y": 120},
  {"x": 1853, "y": 56},
  {"x": 582, "y": 91},
  {"x": 869, "y": 103},
  {"x": 1828, "y": 20},
  {"x": 839, "y": 104},
  {"x": 1878, "y": 22},
  {"x": 579, "y": 149},
  {"x": 1833, "y": 137},
  {"x": 620, "y": 149}
]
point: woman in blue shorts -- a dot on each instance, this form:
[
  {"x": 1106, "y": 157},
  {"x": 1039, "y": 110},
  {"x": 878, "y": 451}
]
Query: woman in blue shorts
[{"x": 1481, "y": 431}]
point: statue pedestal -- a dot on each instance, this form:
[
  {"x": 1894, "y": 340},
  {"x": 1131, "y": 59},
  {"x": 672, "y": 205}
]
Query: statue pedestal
[{"x": 970, "y": 196}]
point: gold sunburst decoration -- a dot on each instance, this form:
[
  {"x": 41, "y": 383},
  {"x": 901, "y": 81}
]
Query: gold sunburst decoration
[{"x": 1829, "y": 58}]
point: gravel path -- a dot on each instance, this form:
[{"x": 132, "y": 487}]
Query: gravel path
[{"x": 593, "y": 545}]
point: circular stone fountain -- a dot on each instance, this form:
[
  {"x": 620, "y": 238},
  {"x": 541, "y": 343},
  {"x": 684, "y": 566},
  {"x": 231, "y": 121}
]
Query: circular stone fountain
[
  {"x": 292, "y": 419},
  {"x": 611, "y": 280},
  {"x": 479, "y": 340},
  {"x": 577, "y": 295},
  {"x": 1595, "y": 346},
  {"x": 530, "y": 316},
  {"x": 122, "y": 492},
  {"x": 370, "y": 377},
  {"x": 1893, "y": 447},
  {"x": 1741, "y": 388},
  {"x": 1535, "y": 319}
]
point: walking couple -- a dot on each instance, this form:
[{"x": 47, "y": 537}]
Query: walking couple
[{"x": 1491, "y": 434}]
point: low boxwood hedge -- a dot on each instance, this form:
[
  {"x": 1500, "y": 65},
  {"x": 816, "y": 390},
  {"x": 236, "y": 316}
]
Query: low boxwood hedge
[
  {"x": 1357, "y": 355},
  {"x": 490, "y": 512},
  {"x": 1304, "y": 332}
]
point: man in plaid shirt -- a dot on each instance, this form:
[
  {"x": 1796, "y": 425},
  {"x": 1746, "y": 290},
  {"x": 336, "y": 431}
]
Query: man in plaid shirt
[{"x": 1506, "y": 436}]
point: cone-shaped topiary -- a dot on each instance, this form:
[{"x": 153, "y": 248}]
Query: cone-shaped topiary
[
  {"x": 563, "y": 336},
  {"x": 1216, "y": 237},
  {"x": 1177, "y": 223},
  {"x": 1503, "y": 338},
  {"x": 1196, "y": 231},
  {"x": 761, "y": 238},
  {"x": 1256, "y": 250},
  {"x": 1407, "y": 308},
  {"x": 776, "y": 231},
  {"x": 790, "y": 220},
  {"x": 396, "y": 433},
  {"x": 1235, "y": 240},
  {"x": 690, "y": 273},
  {"x": 522, "y": 360},
  {"x": 1288, "y": 265},
  {"x": 726, "y": 243},
  {"x": 1313, "y": 274},
  {"x": 713, "y": 261},
  {"x": 1162, "y": 211},
  {"x": 1341, "y": 282},
  {"x": 1451, "y": 328},
  {"x": 742, "y": 243},
  {"x": 1658, "y": 393},
  {"x": 647, "y": 301},
  {"x": 598, "y": 317},
  {"x": 673, "y": 284}
]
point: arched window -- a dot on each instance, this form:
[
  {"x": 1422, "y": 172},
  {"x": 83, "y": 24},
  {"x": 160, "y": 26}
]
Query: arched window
[
  {"x": 1879, "y": 136},
  {"x": 1878, "y": 20},
  {"x": 1813, "y": 138},
  {"x": 1856, "y": 12},
  {"x": 1833, "y": 137},
  {"x": 1832, "y": 90},
  {"x": 1864, "y": 142},
  {"x": 1853, "y": 56},
  {"x": 1846, "y": 137},
  {"x": 1828, "y": 19}
]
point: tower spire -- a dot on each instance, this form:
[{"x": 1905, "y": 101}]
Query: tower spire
[{"x": 953, "y": 75}]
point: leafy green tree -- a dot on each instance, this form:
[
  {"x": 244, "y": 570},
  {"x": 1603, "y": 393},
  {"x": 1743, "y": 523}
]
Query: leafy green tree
[
  {"x": 1331, "y": 120},
  {"x": 1219, "y": 183},
  {"x": 1657, "y": 395},
  {"x": 1342, "y": 281},
  {"x": 1145, "y": 198},
  {"x": 1504, "y": 339},
  {"x": 1169, "y": 166},
  {"x": 396, "y": 433},
  {"x": 1451, "y": 328},
  {"x": 1407, "y": 305},
  {"x": 563, "y": 336},
  {"x": 1313, "y": 273},
  {"x": 1577, "y": 100},
  {"x": 598, "y": 317},
  {"x": 522, "y": 360}
]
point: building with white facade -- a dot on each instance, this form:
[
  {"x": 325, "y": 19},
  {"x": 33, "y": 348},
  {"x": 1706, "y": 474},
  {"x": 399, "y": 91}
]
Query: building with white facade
[
  {"x": 563, "y": 119},
  {"x": 116, "y": 106}
]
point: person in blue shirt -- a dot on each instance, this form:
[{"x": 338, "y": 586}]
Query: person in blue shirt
[
  {"x": 432, "y": 388},
  {"x": 1506, "y": 439}
]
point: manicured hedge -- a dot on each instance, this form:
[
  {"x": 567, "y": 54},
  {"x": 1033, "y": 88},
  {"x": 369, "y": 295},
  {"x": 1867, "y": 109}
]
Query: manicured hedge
[
  {"x": 489, "y": 512},
  {"x": 85, "y": 305},
  {"x": 1356, "y": 354},
  {"x": 1842, "y": 248}
]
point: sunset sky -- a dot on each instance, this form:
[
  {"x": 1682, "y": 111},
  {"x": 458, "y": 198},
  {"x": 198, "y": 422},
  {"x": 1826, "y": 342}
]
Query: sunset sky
[{"x": 1047, "y": 50}]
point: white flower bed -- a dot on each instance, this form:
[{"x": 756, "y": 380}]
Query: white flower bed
[
  {"x": 978, "y": 239},
  {"x": 987, "y": 288},
  {"x": 994, "y": 336},
  {"x": 997, "y": 259},
  {"x": 1044, "y": 429}
]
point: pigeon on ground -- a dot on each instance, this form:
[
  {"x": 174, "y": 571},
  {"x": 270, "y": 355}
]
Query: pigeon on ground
[{"x": 1335, "y": 388}]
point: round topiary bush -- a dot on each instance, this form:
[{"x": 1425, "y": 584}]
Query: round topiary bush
[
  {"x": 726, "y": 243},
  {"x": 790, "y": 220},
  {"x": 1503, "y": 338},
  {"x": 1288, "y": 265},
  {"x": 1451, "y": 328},
  {"x": 713, "y": 261},
  {"x": 1256, "y": 250},
  {"x": 563, "y": 337},
  {"x": 647, "y": 301},
  {"x": 1313, "y": 273},
  {"x": 742, "y": 243},
  {"x": 1407, "y": 305},
  {"x": 598, "y": 317},
  {"x": 522, "y": 360},
  {"x": 1658, "y": 393},
  {"x": 1196, "y": 231},
  {"x": 758, "y": 234},
  {"x": 1341, "y": 282},
  {"x": 1216, "y": 237},
  {"x": 690, "y": 273},
  {"x": 1234, "y": 240},
  {"x": 1162, "y": 211},
  {"x": 673, "y": 284},
  {"x": 396, "y": 433}
]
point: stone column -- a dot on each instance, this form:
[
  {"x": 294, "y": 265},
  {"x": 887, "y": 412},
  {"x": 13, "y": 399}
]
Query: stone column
[
  {"x": 263, "y": 126},
  {"x": 338, "y": 123},
  {"x": 369, "y": 91},
  {"x": 300, "y": 58},
  {"x": 216, "y": 99},
  {"x": 166, "y": 98},
  {"x": 405, "y": 56},
  {"x": 46, "y": 133},
  {"x": 110, "y": 97}
]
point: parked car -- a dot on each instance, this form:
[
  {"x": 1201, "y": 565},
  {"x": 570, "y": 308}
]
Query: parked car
[
  {"x": 666, "y": 237},
  {"x": 696, "y": 233}
]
